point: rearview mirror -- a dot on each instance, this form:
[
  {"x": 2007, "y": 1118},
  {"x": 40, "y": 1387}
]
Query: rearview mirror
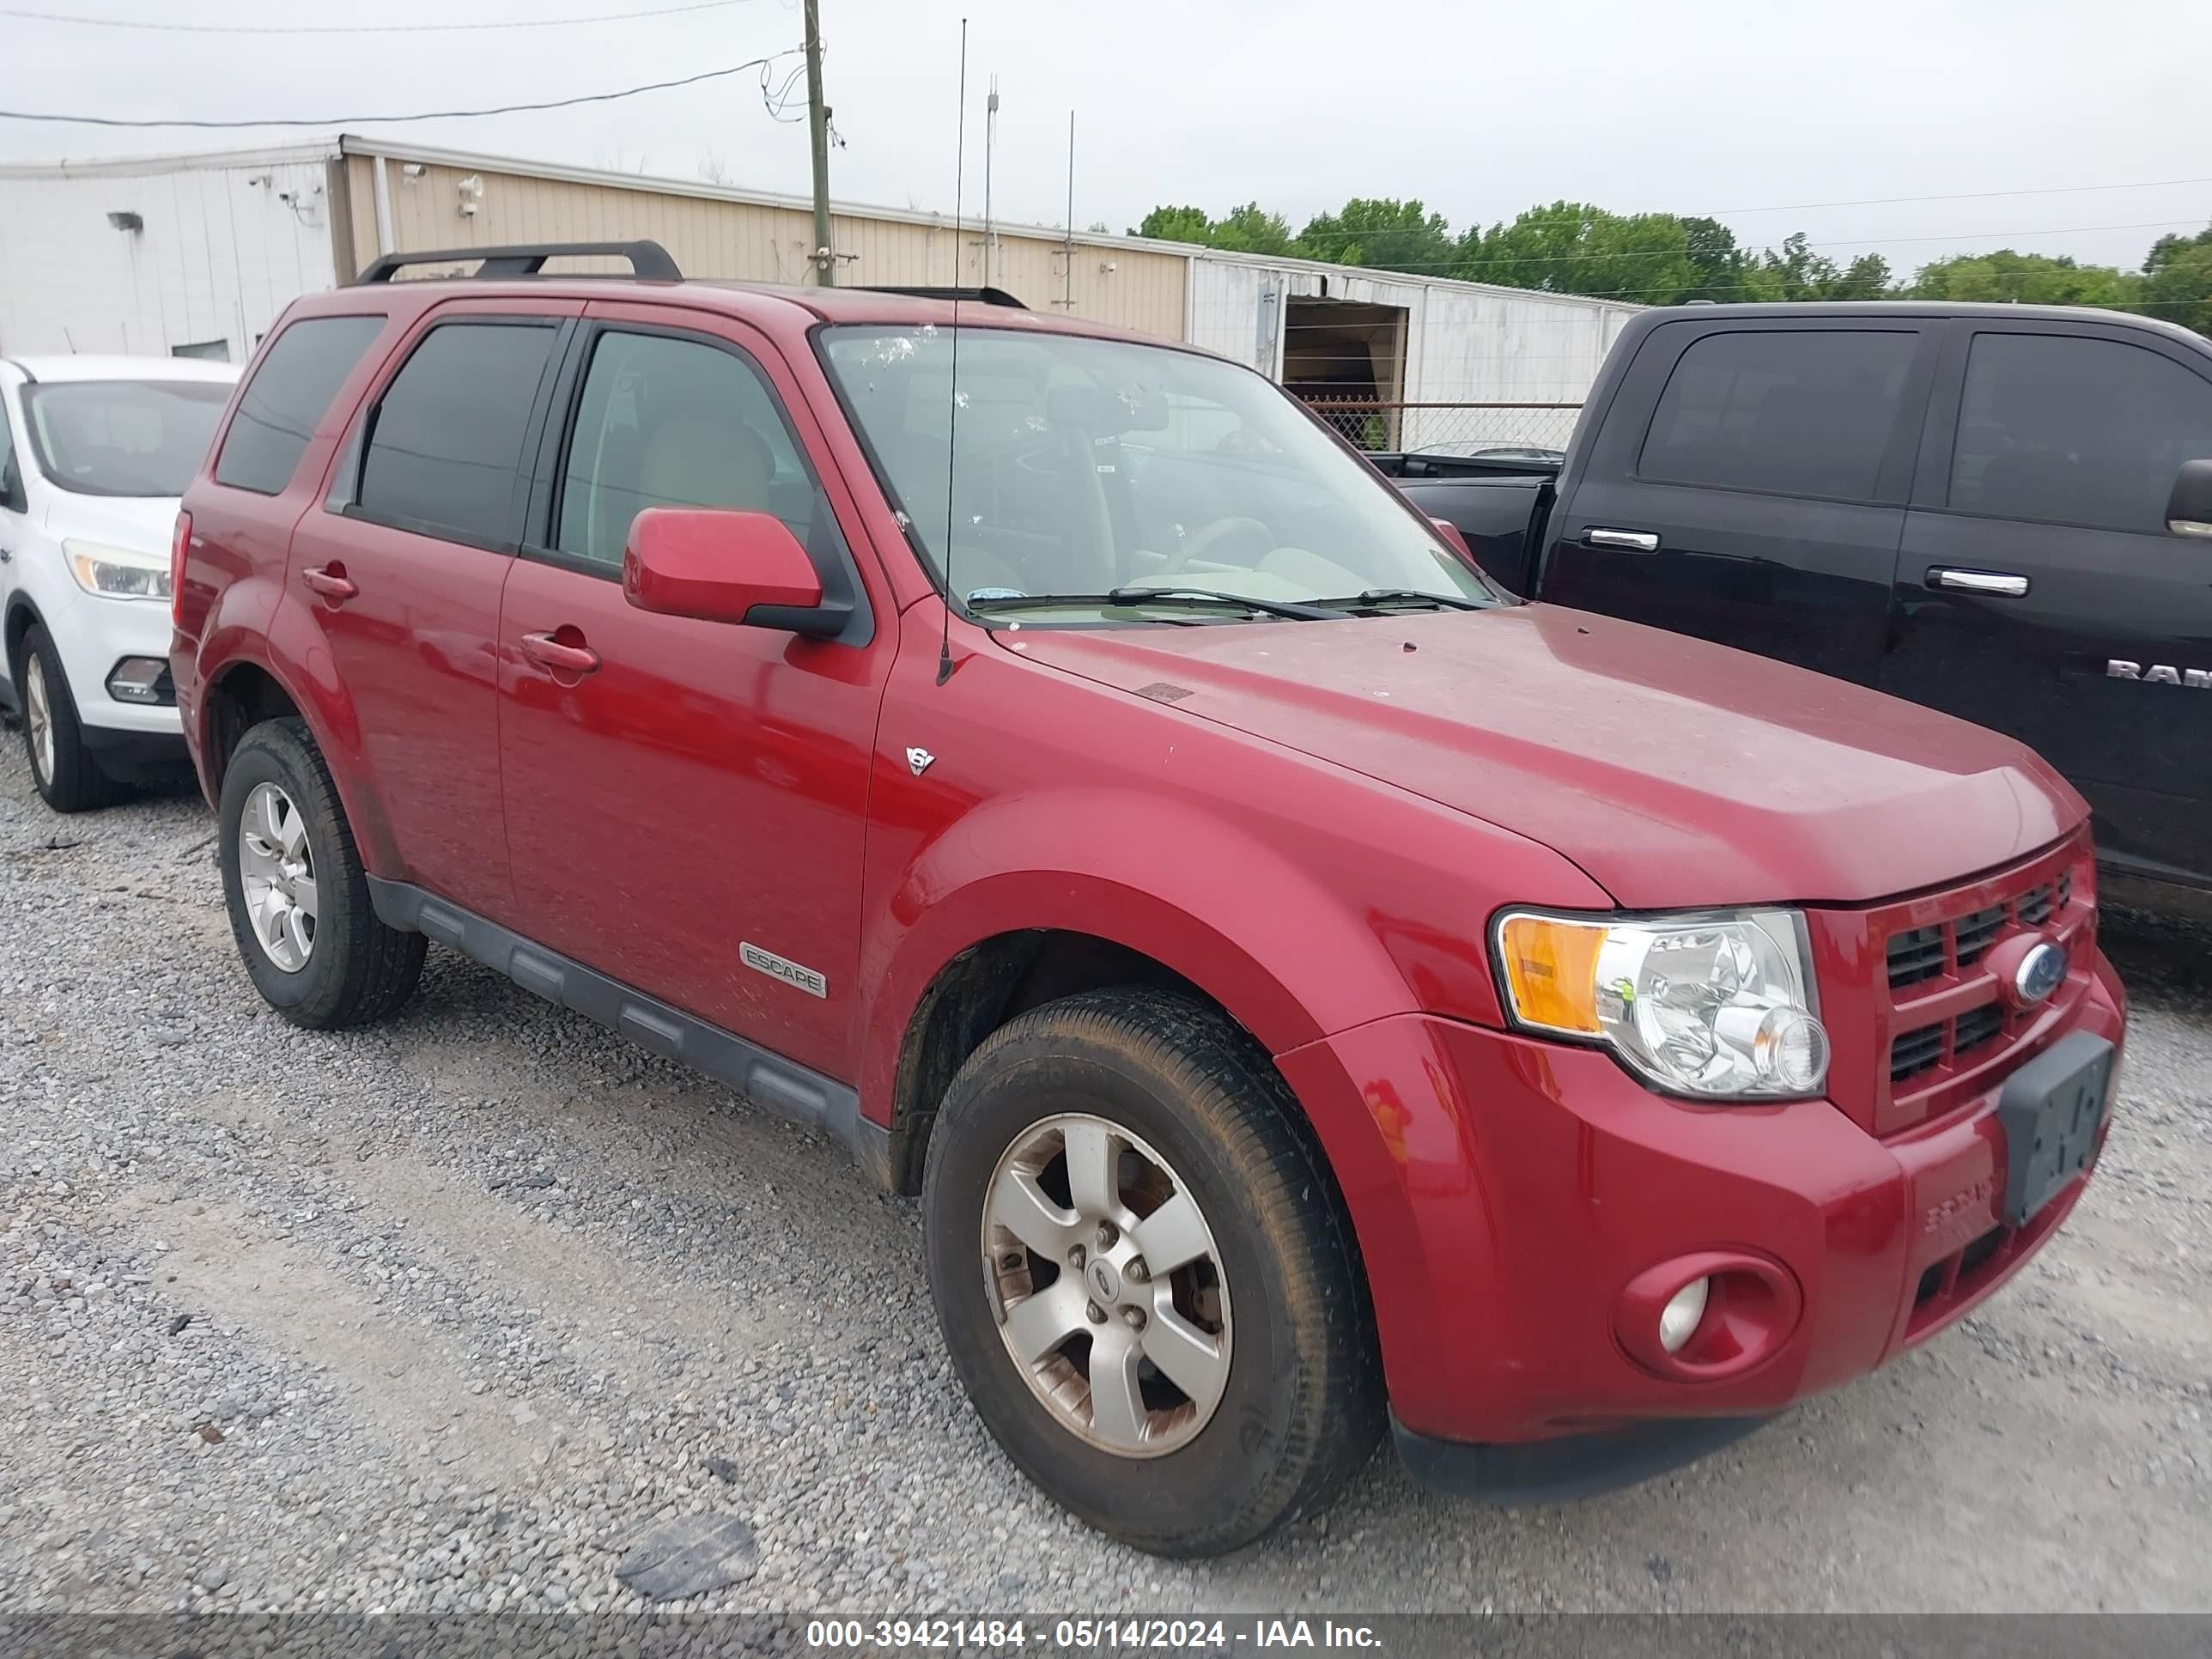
[
  {"x": 1453, "y": 539},
  {"x": 2189, "y": 511},
  {"x": 724, "y": 565}
]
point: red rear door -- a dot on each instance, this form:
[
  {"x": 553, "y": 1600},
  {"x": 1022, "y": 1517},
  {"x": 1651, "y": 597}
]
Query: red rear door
[
  {"x": 702, "y": 789},
  {"x": 404, "y": 567}
]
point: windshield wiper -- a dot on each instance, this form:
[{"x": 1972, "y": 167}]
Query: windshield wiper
[
  {"x": 1167, "y": 594},
  {"x": 1407, "y": 595}
]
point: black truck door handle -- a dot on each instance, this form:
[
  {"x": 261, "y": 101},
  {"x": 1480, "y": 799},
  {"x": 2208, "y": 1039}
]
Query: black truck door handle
[
  {"x": 1625, "y": 541},
  {"x": 2002, "y": 583}
]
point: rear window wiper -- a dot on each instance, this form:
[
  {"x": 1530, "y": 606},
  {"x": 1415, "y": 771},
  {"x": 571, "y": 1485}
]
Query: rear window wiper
[
  {"x": 1167, "y": 594},
  {"x": 1408, "y": 596}
]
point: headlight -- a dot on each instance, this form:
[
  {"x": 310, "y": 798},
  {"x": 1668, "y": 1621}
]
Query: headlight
[
  {"x": 1717, "y": 1007},
  {"x": 116, "y": 573}
]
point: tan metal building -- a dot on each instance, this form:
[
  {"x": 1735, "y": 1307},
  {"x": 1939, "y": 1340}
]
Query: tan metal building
[{"x": 199, "y": 253}]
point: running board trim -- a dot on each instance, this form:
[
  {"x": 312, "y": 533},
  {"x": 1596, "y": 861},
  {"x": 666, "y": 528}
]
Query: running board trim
[{"x": 799, "y": 1092}]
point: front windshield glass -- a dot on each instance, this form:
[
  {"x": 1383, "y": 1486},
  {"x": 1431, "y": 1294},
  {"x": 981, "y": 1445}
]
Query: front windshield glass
[
  {"x": 1081, "y": 466},
  {"x": 123, "y": 437}
]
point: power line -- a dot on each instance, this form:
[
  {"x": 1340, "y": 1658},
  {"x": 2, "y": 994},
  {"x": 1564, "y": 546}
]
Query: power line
[
  {"x": 359, "y": 28},
  {"x": 366, "y": 120}
]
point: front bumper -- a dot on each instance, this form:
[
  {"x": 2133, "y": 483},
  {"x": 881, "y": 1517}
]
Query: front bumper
[
  {"x": 93, "y": 635},
  {"x": 1515, "y": 1189}
]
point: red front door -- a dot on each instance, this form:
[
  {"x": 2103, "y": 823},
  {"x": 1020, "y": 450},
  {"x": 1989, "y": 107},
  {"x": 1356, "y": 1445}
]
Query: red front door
[{"x": 687, "y": 814}]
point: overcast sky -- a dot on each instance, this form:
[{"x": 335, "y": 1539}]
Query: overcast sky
[{"x": 1479, "y": 110}]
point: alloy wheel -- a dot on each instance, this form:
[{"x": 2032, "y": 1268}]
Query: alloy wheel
[
  {"x": 1107, "y": 1286},
  {"x": 276, "y": 873},
  {"x": 38, "y": 717}
]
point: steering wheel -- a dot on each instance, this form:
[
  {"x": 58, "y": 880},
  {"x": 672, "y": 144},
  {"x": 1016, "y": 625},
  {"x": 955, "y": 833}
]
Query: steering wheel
[{"x": 1210, "y": 536}]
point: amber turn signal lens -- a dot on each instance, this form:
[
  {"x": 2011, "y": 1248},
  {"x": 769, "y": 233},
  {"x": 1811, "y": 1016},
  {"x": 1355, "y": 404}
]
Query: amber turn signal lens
[{"x": 1551, "y": 971}]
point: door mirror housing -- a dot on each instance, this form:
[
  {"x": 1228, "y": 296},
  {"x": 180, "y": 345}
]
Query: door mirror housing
[
  {"x": 726, "y": 565},
  {"x": 1453, "y": 539},
  {"x": 2189, "y": 510}
]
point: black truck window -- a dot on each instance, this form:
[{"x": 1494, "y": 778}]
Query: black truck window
[
  {"x": 2068, "y": 429},
  {"x": 1788, "y": 412}
]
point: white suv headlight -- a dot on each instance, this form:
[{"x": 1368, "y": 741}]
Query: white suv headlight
[
  {"x": 116, "y": 573},
  {"x": 1716, "y": 1006}
]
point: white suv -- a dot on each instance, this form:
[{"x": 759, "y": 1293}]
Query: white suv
[{"x": 94, "y": 453}]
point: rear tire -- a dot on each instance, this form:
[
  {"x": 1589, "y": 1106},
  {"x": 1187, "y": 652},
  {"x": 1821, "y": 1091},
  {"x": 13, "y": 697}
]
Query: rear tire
[
  {"x": 1190, "y": 1114},
  {"x": 297, "y": 891},
  {"x": 63, "y": 769}
]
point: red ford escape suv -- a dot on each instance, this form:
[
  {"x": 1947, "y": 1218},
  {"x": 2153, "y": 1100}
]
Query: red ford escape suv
[{"x": 1305, "y": 987}]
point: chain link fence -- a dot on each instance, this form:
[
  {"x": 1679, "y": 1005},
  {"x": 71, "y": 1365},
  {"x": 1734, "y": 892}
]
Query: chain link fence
[{"x": 1450, "y": 428}]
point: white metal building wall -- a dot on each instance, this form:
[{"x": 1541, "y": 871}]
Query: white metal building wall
[
  {"x": 222, "y": 249},
  {"x": 1466, "y": 341}
]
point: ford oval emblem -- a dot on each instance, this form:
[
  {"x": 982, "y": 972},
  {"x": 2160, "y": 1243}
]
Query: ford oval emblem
[{"x": 2041, "y": 971}]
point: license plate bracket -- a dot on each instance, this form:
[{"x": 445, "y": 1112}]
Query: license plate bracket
[{"x": 2051, "y": 1109}]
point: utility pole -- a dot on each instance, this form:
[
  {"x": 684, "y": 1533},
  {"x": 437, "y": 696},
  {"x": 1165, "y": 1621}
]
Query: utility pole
[{"x": 817, "y": 132}]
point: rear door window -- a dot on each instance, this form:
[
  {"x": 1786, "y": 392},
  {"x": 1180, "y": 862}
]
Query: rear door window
[
  {"x": 288, "y": 396},
  {"x": 1786, "y": 412},
  {"x": 444, "y": 442},
  {"x": 2072, "y": 429}
]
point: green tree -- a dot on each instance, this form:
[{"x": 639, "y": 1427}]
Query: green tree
[
  {"x": 1387, "y": 234},
  {"x": 2027, "y": 279},
  {"x": 1571, "y": 247},
  {"x": 1796, "y": 273},
  {"x": 1247, "y": 229},
  {"x": 1176, "y": 224},
  {"x": 2177, "y": 281}
]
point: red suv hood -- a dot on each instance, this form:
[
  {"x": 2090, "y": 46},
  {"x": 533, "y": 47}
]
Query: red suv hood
[{"x": 1673, "y": 771}]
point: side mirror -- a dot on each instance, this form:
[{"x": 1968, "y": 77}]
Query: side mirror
[
  {"x": 2189, "y": 510},
  {"x": 724, "y": 565},
  {"x": 1453, "y": 539}
]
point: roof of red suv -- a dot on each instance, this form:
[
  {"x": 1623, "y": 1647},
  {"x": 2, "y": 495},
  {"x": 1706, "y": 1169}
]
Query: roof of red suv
[{"x": 761, "y": 303}]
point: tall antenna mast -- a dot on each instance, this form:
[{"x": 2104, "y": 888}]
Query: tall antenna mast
[
  {"x": 990, "y": 148},
  {"x": 952, "y": 387},
  {"x": 1067, "y": 295}
]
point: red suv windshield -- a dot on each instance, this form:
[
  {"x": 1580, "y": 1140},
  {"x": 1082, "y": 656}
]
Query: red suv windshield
[{"x": 1081, "y": 465}]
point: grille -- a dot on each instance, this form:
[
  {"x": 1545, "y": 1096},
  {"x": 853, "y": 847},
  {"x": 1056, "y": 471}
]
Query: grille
[
  {"x": 1975, "y": 1027},
  {"x": 1915, "y": 1052},
  {"x": 1915, "y": 955},
  {"x": 2036, "y": 904},
  {"x": 1978, "y": 933}
]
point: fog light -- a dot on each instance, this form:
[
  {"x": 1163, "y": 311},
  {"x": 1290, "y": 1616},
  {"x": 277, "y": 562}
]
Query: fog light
[
  {"x": 1678, "y": 1320},
  {"x": 140, "y": 680}
]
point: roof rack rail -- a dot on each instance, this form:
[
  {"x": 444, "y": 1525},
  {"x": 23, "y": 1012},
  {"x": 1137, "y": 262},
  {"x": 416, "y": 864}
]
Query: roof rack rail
[
  {"x": 989, "y": 296},
  {"x": 648, "y": 261}
]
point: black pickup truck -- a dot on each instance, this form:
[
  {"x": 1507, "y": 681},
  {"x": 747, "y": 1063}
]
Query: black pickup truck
[{"x": 2004, "y": 512}]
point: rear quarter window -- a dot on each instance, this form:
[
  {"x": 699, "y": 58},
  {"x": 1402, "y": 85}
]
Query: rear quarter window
[{"x": 286, "y": 398}]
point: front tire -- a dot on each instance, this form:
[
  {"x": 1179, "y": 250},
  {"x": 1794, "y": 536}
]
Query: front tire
[
  {"x": 1220, "y": 1376},
  {"x": 297, "y": 891},
  {"x": 67, "y": 777}
]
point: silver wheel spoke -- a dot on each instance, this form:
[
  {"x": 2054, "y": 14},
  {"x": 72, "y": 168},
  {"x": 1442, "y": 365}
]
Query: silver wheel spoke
[
  {"x": 1186, "y": 1356},
  {"x": 1118, "y": 1415},
  {"x": 1041, "y": 1323},
  {"x": 1019, "y": 1205},
  {"x": 1119, "y": 1282},
  {"x": 1172, "y": 1235},
  {"x": 1091, "y": 1154},
  {"x": 276, "y": 878}
]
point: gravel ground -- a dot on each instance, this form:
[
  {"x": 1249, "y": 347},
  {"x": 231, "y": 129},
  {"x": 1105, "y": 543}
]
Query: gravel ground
[{"x": 484, "y": 1310}]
